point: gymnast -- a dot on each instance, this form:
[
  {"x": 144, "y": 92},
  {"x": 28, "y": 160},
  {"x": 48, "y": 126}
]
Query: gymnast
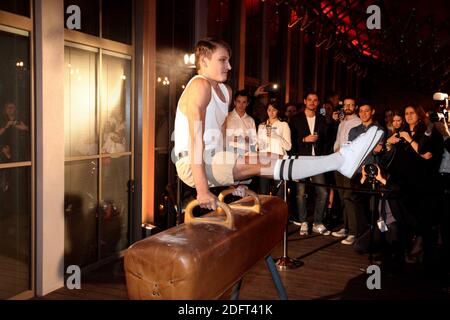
[{"x": 199, "y": 155}]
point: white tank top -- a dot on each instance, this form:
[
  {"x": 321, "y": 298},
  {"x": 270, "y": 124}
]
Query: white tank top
[{"x": 216, "y": 113}]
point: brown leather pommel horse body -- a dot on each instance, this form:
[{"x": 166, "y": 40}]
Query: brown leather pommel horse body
[{"x": 204, "y": 257}]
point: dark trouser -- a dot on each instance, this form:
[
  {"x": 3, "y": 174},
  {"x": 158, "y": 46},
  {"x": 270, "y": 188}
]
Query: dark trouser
[
  {"x": 445, "y": 226},
  {"x": 267, "y": 186},
  {"x": 342, "y": 181},
  {"x": 355, "y": 208},
  {"x": 321, "y": 200}
]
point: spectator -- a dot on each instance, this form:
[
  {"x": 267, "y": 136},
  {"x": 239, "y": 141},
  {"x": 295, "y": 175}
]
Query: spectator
[
  {"x": 309, "y": 137},
  {"x": 274, "y": 136},
  {"x": 241, "y": 129},
  {"x": 356, "y": 205},
  {"x": 13, "y": 135},
  {"x": 330, "y": 106},
  {"x": 291, "y": 111},
  {"x": 388, "y": 119},
  {"x": 444, "y": 171},
  {"x": 350, "y": 121},
  {"x": 418, "y": 153}
]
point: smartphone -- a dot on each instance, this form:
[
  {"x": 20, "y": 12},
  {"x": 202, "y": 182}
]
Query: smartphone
[
  {"x": 323, "y": 111},
  {"x": 271, "y": 87}
]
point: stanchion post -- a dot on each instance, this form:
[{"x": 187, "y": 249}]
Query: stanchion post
[
  {"x": 179, "y": 209},
  {"x": 285, "y": 262},
  {"x": 372, "y": 221}
]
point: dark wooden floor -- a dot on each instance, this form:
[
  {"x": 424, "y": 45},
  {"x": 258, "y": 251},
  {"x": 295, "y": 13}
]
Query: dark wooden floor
[
  {"x": 330, "y": 271},
  {"x": 14, "y": 276}
]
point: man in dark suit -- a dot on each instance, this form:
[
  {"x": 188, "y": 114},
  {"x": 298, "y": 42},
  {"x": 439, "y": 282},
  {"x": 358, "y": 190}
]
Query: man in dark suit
[{"x": 309, "y": 138}]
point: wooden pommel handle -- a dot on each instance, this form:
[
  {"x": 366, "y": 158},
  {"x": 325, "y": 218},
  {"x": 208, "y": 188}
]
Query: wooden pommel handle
[
  {"x": 190, "y": 219},
  {"x": 255, "y": 208}
]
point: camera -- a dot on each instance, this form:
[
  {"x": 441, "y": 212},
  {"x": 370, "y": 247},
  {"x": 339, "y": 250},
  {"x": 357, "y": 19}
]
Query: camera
[
  {"x": 397, "y": 134},
  {"x": 340, "y": 110},
  {"x": 441, "y": 103},
  {"x": 341, "y": 114},
  {"x": 371, "y": 171}
]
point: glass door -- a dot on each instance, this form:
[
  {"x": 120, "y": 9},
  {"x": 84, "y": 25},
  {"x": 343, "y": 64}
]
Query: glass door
[
  {"x": 99, "y": 157},
  {"x": 16, "y": 170}
]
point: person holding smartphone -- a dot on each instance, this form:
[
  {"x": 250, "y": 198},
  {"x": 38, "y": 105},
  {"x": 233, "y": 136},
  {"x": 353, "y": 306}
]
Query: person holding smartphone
[{"x": 274, "y": 137}]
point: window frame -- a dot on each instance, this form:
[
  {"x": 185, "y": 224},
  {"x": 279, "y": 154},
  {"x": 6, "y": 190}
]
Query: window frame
[
  {"x": 21, "y": 25},
  {"x": 103, "y": 47}
]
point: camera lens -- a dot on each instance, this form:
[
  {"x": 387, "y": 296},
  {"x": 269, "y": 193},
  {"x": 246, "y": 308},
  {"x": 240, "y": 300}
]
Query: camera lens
[{"x": 371, "y": 170}]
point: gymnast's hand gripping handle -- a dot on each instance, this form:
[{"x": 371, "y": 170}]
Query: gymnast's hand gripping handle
[{"x": 255, "y": 208}]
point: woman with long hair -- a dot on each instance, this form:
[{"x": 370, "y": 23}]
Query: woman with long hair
[
  {"x": 274, "y": 136},
  {"x": 415, "y": 164},
  {"x": 398, "y": 122}
]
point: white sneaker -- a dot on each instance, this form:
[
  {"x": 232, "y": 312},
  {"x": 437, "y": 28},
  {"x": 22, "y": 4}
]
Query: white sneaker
[
  {"x": 340, "y": 234},
  {"x": 349, "y": 240},
  {"x": 320, "y": 228},
  {"x": 356, "y": 151},
  {"x": 304, "y": 229}
]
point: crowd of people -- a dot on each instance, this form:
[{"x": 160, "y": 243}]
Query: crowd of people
[{"x": 412, "y": 159}]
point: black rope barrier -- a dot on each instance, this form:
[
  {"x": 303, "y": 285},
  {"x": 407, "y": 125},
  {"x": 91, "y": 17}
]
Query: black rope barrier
[{"x": 332, "y": 186}]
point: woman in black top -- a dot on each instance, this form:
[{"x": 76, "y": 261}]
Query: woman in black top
[{"x": 417, "y": 151}]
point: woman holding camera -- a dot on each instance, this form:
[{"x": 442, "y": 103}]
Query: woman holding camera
[
  {"x": 415, "y": 163},
  {"x": 274, "y": 136}
]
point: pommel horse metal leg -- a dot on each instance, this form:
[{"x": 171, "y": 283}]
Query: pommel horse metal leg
[
  {"x": 236, "y": 290},
  {"x": 285, "y": 262},
  {"x": 275, "y": 277}
]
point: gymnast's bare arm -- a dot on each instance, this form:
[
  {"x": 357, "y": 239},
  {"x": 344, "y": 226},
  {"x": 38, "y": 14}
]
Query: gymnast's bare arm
[{"x": 193, "y": 105}]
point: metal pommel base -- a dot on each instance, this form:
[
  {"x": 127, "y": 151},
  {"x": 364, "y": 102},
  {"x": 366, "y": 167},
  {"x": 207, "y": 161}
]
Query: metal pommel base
[{"x": 286, "y": 263}]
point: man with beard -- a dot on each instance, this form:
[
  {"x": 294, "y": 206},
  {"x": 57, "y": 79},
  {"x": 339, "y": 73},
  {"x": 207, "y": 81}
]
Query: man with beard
[
  {"x": 309, "y": 138},
  {"x": 350, "y": 121}
]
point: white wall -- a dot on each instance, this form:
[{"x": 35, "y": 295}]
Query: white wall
[{"x": 49, "y": 35}]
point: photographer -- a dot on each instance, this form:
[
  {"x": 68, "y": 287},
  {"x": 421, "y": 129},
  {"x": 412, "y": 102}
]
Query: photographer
[{"x": 394, "y": 225}]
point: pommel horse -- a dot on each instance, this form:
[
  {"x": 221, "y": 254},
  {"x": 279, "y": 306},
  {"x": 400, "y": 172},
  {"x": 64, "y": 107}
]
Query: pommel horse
[{"x": 206, "y": 256}]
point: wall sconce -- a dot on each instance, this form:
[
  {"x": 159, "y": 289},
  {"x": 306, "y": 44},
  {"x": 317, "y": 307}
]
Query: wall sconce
[{"x": 189, "y": 60}]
